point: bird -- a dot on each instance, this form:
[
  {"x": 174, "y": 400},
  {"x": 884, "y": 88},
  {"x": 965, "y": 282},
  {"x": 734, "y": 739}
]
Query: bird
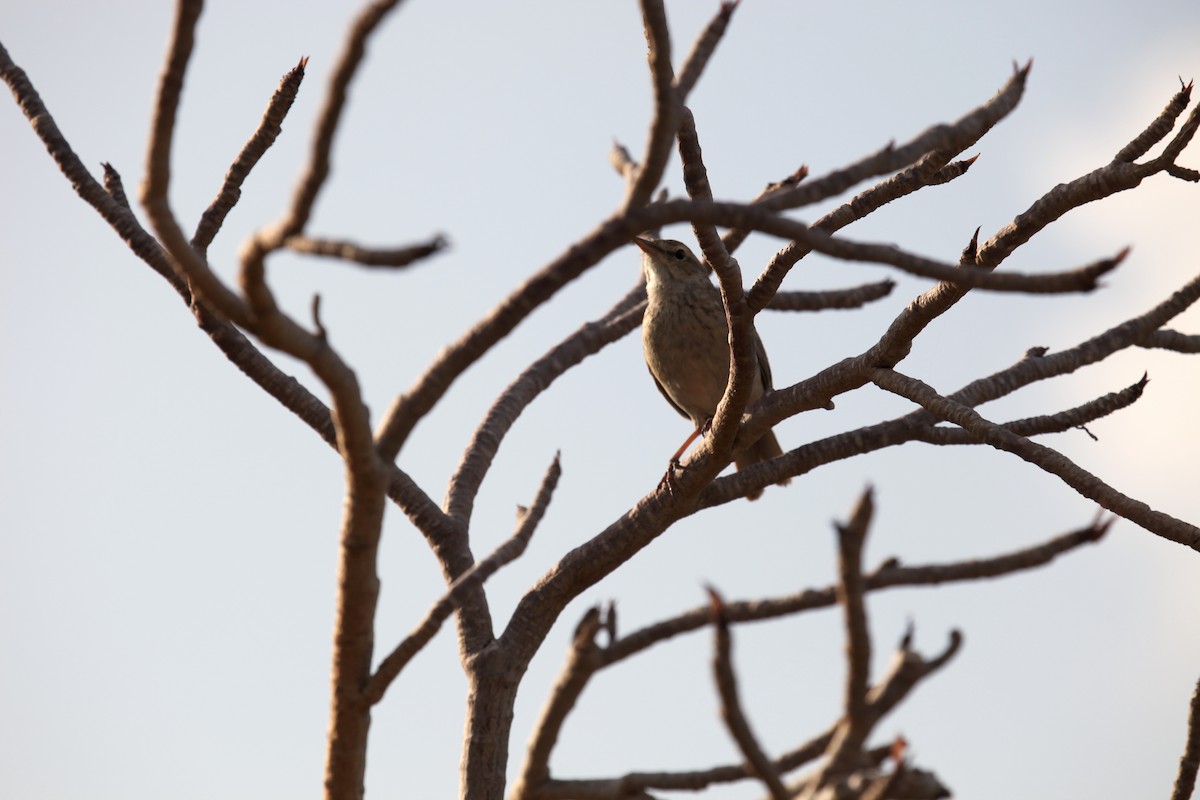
[{"x": 685, "y": 340}]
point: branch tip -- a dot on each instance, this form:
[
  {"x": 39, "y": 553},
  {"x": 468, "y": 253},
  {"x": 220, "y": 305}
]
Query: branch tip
[
  {"x": 716, "y": 606},
  {"x": 316, "y": 316}
]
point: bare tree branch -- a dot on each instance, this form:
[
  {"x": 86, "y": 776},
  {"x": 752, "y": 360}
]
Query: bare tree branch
[
  {"x": 856, "y": 297},
  {"x": 928, "y": 171},
  {"x": 527, "y": 522},
  {"x": 590, "y": 338},
  {"x": 947, "y": 138},
  {"x": 667, "y": 103},
  {"x": 387, "y": 258},
  {"x": 112, "y": 206},
  {"x": 907, "y": 671},
  {"x": 752, "y": 217},
  {"x": 889, "y": 575},
  {"x": 329, "y": 117},
  {"x": 844, "y": 752},
  {"x": 852, "y": 597},
  {"x": 731, "y": 706},
  {"x": 1053, "y": 423},
  {"x": 743, "y": 358},
  {"x": 1049, "y": 460},
  {"x": 582, "y": 662},
  {"x": 1189, "y": 762},
  {"x": 1171, "y": 340},
  {"x": 268, "y": 129},
  {"x": 186, "y": 261},
  {"x": 703, "y": 49},
  {"x": 114, "y": 186},
  {"x": 1157, "y": 130}
]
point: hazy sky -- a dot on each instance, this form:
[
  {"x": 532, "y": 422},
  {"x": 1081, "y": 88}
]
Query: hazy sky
[{"x": 168, "y": 532}]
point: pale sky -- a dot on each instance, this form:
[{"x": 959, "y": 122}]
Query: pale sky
[{"x": 168, "y": 532}]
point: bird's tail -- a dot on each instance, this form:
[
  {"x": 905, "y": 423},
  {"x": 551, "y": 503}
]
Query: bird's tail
[{"x": 765, "y": 448}]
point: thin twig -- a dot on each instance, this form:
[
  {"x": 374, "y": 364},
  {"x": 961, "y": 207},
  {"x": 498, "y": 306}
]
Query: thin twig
[
  {"x": 114, "y": 186},
  {"x": 666, "y": 106},
  {"x": 928, "y": 171},
  {"x": 387, "y": 258},
  {"x": 1051, "y": 461},
  {"x": 830, "y": 299},
  {"x": 1158, "y": 129},
  {"x": 1051, "y": 423},
  {"x": 703, "y": 49},
  {"x": 329, "y": 118},
  {"x": 947, "y": 138},
  {"x": 256, "y": 146}
]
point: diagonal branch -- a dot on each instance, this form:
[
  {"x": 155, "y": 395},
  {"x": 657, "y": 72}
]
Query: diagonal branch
[
  {"x": 1052, "y": 423},
  {"x": 268, "y": 129},
  {"x": 1047, "y": 459},
  {"x": 931, "y": 170},
  {"x": 1157, "y": 130},
  {"x": 330, "y": 116},
  {"x": 703, "y": 49},
  {"x": 589, "y": 339},
  {"x": 946, "y": 138}
]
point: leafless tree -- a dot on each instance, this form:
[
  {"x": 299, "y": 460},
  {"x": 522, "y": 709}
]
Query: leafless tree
[{"x": 245, "y": 322}]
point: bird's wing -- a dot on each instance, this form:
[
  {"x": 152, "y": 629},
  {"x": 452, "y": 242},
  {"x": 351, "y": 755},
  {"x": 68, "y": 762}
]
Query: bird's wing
[
  {"x": 764, "y": 366},
  {"x": 664, "y": 394}
]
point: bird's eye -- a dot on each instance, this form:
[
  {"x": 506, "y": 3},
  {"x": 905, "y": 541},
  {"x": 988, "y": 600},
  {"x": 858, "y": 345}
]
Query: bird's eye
[{"x": 679, "y": 254}]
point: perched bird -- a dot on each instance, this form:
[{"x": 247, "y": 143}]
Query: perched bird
[{"x": 685, "y": 340}]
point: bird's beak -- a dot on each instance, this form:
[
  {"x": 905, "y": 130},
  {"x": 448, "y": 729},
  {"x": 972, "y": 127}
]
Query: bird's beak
[{"x": 644, "y": 244}]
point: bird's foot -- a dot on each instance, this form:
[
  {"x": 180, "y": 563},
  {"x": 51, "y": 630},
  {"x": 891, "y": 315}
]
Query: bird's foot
[{"x": 668, "y": 478}]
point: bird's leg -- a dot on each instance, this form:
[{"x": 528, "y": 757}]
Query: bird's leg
[
  {"x": 668, "y": 478},
  {"x": 688, "y": 442}
]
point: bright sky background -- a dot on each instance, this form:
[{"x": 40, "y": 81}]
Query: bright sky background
[{"x": 168, "y": 532}]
